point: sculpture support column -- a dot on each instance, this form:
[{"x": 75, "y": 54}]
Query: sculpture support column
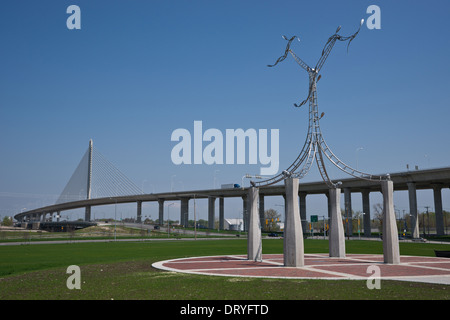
[
  {"x": 337, "y": 238},
  {"x": 254, "y": 243},
  {"x": 391, "y": 251},
  {"x": 293, "y": 233}
]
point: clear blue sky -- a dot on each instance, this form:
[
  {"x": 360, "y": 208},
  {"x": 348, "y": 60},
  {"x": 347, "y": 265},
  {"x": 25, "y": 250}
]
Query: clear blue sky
[{"x": 137, "y": 70}]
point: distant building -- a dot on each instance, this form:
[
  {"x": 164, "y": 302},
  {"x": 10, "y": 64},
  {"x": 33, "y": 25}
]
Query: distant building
[{"x": 234, "y": 224}]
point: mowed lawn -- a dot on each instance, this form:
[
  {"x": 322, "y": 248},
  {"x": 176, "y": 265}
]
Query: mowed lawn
[{"x": 122, "y": 270}]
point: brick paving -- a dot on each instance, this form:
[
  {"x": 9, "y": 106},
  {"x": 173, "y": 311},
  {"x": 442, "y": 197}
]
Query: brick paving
[{"x": 317, "y": 266}]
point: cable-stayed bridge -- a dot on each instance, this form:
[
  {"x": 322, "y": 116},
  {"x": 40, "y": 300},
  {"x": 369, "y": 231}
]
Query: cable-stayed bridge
[
  {"x": 97, "y": 182},
  {"x": 96, "y": 177}
]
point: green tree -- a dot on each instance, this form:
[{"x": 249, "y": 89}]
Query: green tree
[
  {"x": 7, "y": 222},
  {"x": 271, "y": 219}
]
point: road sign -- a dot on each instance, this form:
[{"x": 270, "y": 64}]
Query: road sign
[{"x": 314, "y": 218}]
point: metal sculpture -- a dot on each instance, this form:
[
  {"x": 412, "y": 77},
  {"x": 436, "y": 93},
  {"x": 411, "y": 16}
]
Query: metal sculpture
[{"x": 315, "y": 147}]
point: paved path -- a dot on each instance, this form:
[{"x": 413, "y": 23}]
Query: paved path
[{"x": 317, "y": 266}]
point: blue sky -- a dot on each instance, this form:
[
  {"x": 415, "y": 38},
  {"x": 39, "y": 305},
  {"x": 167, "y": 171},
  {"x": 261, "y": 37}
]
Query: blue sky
[{"x": 137, "y": 70}]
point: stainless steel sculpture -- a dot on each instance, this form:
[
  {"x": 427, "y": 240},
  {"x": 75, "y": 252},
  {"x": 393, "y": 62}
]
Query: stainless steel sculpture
[{"x": 315, "y": 147}]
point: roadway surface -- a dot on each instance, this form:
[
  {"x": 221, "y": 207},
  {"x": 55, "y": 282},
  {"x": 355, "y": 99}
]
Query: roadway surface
[{"x": 423, "y": 179}]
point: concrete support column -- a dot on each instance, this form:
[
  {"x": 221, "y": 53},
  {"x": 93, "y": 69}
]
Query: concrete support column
[
  {"x": 139, "y": 212},
  {"x": 221, "y": 213},
  {"x": 161, "y": 211},
  {"x": 304, "y": 222},
  {"x": 293, "y": 233},
  {"x": 366, "y": 210},
  {"x": 391, "y": 250},
  {"x": 438, "y": 209},
  {"x": 261, "y": 209},
  {"x": 211, "y": 212},
  {"x": 36, "y": 225},
  {"x": 337, "y": 238},
  {"x": 184, "y": 212},
  {"x": 87, "y": 213},
  {"x": 348, "y": 211},
  {"x": 245, "y": 212},
  {"x": 413, "y": 210},
  {"x": 254, "y": 244}
]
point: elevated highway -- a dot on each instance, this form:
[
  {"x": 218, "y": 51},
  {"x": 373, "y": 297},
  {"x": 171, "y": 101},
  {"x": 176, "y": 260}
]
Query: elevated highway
[{"x": 434, "y": 179}]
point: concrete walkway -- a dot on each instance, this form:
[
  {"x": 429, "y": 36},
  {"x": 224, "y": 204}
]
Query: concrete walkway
[{"x": 317, "y": 266}]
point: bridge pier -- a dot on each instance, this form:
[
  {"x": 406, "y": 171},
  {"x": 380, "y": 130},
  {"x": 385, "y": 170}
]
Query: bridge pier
[
  {"x": 221, "y": 213},
  {"x": 437, "y": 194},
  {"x": 87, "y": 214},
  {"x": 303, "y": 220},
  {"x": 139, "y": 212},
  {"x": 366, "y": 209},
  {"x": 245, "y": 212},
  {"x": 261, "y": 209},
  {"x": 184, "y": 212},
  {"x": 161, "y": 211},
  {"x": 211, "y": 212},
  {"x": 348, "y": 211}
]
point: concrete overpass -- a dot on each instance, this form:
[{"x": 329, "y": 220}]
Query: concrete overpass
[{"x": 434, "y": 179}]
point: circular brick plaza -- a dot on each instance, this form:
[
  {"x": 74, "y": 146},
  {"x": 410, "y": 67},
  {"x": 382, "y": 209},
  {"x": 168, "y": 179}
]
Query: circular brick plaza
[{"x": 317, "y": 266}]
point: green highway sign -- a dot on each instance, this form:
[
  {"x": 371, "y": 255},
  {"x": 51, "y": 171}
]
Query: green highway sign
[{"x": 314, "y": 218}]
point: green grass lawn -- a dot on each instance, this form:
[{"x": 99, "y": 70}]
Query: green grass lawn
[{"x": 122, "y": 270}]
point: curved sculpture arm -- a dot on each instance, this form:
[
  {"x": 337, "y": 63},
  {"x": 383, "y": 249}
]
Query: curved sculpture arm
[
  {"x": 284, "y": 56},
  {"x": 330, "y": 43}
]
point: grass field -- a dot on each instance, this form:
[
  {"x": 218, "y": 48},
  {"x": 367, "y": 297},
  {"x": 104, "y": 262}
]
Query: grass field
[{"x": 122, "y": 270}]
